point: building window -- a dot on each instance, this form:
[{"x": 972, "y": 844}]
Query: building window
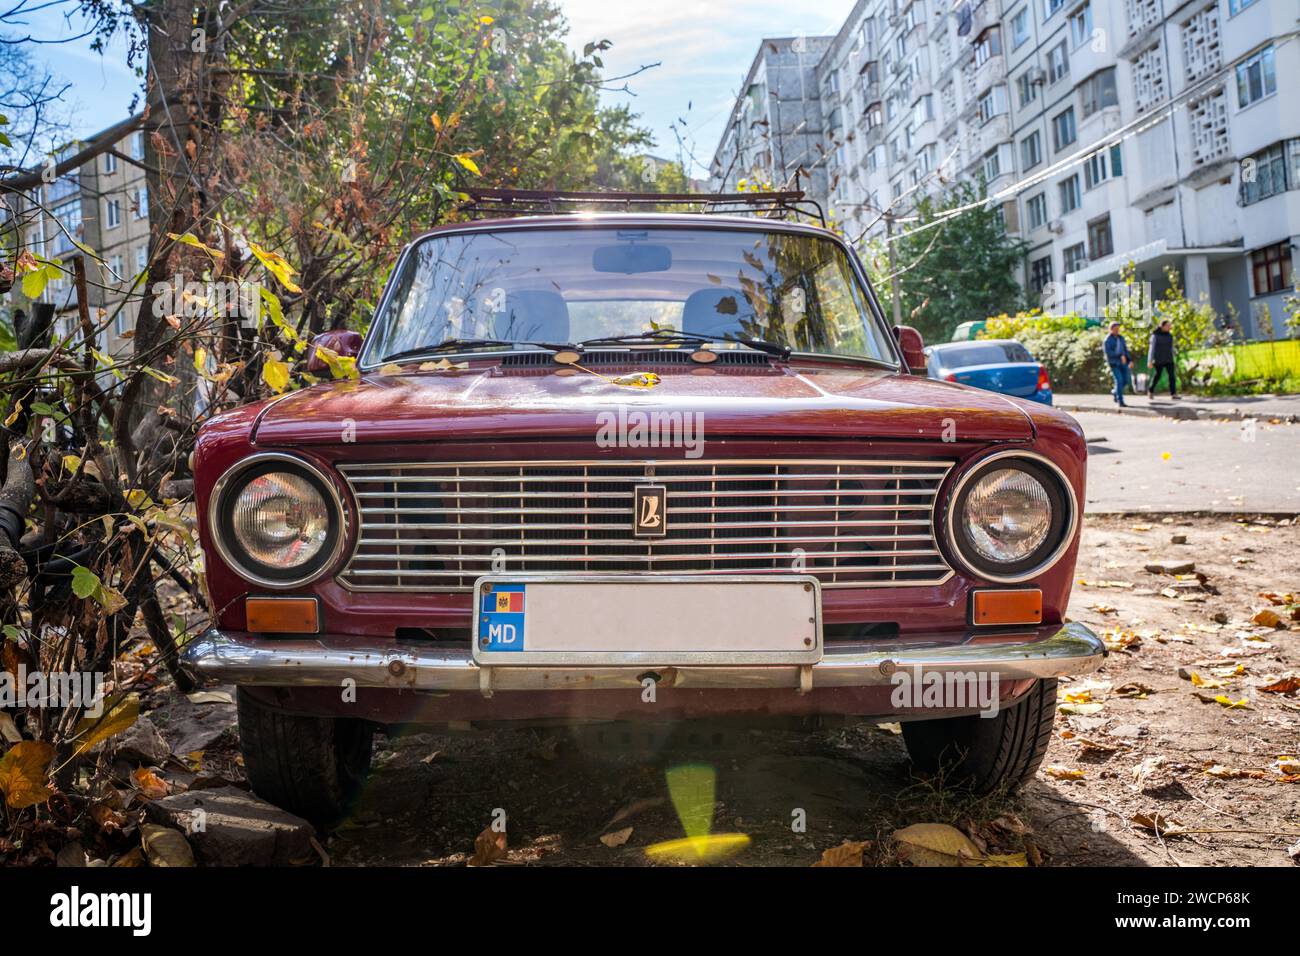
[
  {"x": 137, "y": 146},
  {"x": 923, "y": 110},
  {"x": 1063, "y": 130},
  {"x": 1255, "y": 78},
  {"x": 992, "y": 166},
  {"x": 1040, "y": 273},
  {"x": 988, "y": 46},
  {"x": 1020, "y": 28},
  {"x": 112, "y": 213},
  {"x": 1027, "y": 88},
  {"x": 1101, "y": 166},
  {"x": 1271, "y": 268},
  {"x": 1100, "y": 244},
  {"x": 1268, "y": 173},
  {"x": 141, "y": 259},
  {"x": 1058, "y": 63},
  {"x": 110, "y": 163},
  {"x": 1031, "y": 151},
  {"x": 140, "y": 204},
  {"x": 1070, "y": 194},
  {"x": 1081, "y": 25},
  {"x": 67, "y": 226},
  {"x": 1075, "y": 258},
  {"x": 1149, "y": 77},
  {"x": 1236, "y": 6},
  {"x": 993, "y": 103},
  {"x": 1208, "y": 122},
  {"x": 1036, "y": 209},
  {"x": 1098, "y": 91},
  {"x": 1202, "y": 53},
  {"x": 1051, "y": 6}
]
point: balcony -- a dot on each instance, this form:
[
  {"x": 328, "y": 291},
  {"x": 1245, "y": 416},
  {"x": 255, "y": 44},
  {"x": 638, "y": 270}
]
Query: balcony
[
  {"x": 990, "y": 73},
  {"x": 993, "y": 133},
  {"x": 985, "y": 15}
]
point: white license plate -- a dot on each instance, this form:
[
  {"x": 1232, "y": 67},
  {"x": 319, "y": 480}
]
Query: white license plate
[{"x": 628, "y": 620}]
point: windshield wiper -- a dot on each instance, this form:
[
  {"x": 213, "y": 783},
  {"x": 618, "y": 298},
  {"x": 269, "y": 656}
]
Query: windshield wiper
[
  {"x": 672, "y": 335},
  {"x": 456, "y": 345}
]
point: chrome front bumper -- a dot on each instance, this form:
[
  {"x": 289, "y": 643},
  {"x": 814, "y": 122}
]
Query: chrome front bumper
[{"x": 329, "y": 660}]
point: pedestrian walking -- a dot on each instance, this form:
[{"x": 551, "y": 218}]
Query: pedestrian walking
[
  {"x": 1120, "y": 362},
  {"x": 1160, "y": 357}
]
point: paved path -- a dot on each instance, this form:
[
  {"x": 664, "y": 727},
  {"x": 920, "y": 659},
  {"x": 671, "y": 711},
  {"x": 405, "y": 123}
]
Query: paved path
[
  {"x": 1162, "y": 464},
  {"x": 1263, "y": 407}
]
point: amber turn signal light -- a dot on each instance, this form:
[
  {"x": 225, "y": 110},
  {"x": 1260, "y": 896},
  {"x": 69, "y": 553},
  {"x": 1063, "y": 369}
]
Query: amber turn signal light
[
  {"x": 282, "y": 615},
  {"x": 1021, "y": 606}
]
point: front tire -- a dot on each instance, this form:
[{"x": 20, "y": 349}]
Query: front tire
[
  {"x": 311, "y": 766},
  {"x": 985, "y": 755}
]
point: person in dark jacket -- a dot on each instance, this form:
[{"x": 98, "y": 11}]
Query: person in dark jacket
[
  {"x": 1121, "y": 364},
  {"x": 1160, "y": 357}
]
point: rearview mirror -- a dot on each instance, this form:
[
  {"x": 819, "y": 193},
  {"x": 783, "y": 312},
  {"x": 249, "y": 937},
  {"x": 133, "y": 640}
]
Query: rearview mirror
[
  {"x": 632, "y": 259},
  {"x": 912, "y": 346},
  {"x": 343, "y": 342}
]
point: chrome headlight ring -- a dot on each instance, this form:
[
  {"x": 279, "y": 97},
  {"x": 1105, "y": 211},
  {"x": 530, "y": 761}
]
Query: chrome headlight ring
[{"x": 221, "y": 512}]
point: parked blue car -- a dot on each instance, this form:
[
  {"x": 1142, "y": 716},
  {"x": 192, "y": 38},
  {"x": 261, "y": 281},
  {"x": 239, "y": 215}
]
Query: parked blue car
[{"x": 996, "y": 365}]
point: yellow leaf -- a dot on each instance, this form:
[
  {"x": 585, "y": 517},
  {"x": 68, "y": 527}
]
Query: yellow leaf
[
  {"x": 200, "y": 359},
  {"x": 637, "y": 380},
  {"x": 464, "y": 160},
  {"x": 1064, "y": 773},
  {"x": 276, "y": 374},
  {"x": 277, "y": 265},
  {"x": 22, "y": 774},
  {"x": 150, "y": 784},
  {"x": 1232, "y": 704},
  {"x": 936, "y": 844},
  {"x": 190, "y": 240},
  {"x": 487, "y": 20},
  {"x": 119, "y": 717},
  {"x": 709, "y": 848},
  {"x": 436, "y": 120},
  {"x": 392, "y": 368},
  {"x": 165, "y": 846}
]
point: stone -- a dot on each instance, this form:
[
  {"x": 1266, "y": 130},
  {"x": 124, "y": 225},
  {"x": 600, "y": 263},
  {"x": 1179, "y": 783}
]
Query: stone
[
  {"x": 1178, "y": 539},
  {"x": 235, "y": 828},
  {"x": 195, "y": 723},
  {"x": 1171, "y": 567},
  {"x": 141, "y": 743}
]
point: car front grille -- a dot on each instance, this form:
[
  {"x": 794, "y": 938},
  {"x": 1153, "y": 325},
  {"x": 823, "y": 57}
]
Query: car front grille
[{"x": 427, "y": 526}]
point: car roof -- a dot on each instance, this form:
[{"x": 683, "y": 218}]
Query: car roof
[{"x": 940, "y": 346}]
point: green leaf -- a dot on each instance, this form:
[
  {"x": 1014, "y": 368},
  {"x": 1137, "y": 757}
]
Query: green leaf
[
  {"x": 85, "y": 582},
  {"x": 12, "y": 632}
]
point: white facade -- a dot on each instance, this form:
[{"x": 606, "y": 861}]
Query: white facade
[{"x": 1149, "y": 131}]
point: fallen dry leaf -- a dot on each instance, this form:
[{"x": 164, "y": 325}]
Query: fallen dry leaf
[
  {"x": 848, "y": 853},
  {"x": 489, "y": 846},
  {"x": 22, "y": 774},
  {"x": 1287, "y": 685},
  {"x": 1161, "y": 824},
  {"x": 1233, "y": 773},
  {"x": 935, "y": 844},
  {"x": 152, "y": 786},
  {"x": 165, "y": 846},
  {"x": 1063, "y": 773},
  {"x": 1267, "y": 617},
  {"x": 617, "y": 837}
]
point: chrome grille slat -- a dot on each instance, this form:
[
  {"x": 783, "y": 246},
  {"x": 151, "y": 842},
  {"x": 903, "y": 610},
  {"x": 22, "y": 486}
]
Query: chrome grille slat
[{"x": 433, "y": 526}]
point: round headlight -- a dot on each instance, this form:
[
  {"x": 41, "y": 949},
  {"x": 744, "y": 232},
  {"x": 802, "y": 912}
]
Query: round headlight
[
  {"x": 1011, "y": 517},
  {"x": 277, "y": 520}
]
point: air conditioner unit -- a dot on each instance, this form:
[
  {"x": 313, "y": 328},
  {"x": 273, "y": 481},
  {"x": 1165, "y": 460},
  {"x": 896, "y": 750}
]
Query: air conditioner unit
[{"x": 1056, "y": 226}]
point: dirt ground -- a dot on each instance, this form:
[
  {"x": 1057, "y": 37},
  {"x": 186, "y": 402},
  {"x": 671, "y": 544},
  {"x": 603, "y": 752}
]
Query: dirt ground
[{"x": 1136, "y": 744}]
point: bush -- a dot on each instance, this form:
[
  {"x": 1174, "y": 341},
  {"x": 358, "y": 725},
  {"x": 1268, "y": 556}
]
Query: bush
[
  {"x": 1071, "y": 351},
  {"x": 1073, "y": 357}
]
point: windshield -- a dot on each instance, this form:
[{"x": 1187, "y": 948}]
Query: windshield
[
  {"x": 991, "y": 353},
  {"x": 558, "y": 286}
]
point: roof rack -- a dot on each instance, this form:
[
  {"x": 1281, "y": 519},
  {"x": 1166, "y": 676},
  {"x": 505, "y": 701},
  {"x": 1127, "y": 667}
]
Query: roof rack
[{"x": 488, "y": 203}]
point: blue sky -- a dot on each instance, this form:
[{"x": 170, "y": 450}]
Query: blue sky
[{"x": 704, "y": 49}]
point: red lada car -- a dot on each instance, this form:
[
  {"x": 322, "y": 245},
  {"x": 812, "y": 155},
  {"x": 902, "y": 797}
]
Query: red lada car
[{"x": 652, "y": 467}]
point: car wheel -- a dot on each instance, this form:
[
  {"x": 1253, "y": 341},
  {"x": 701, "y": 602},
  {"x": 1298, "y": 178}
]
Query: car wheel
[
  {"x": 311, "y": 766},
  {"x": 986, "y": 754}
]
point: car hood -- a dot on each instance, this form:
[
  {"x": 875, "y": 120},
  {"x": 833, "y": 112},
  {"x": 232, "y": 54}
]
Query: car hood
[{"x": 487, "y": 401}]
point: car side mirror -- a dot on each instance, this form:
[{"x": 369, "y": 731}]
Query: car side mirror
[
  {"x": 912, "y": 346},
  {"x": 344, "y": 342}
]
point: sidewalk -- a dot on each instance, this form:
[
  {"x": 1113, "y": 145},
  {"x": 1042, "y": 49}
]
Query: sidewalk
[{"x": 1285, "y": 408}]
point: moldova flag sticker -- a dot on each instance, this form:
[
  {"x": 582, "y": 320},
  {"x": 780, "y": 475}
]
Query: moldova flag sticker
[{"x": 501, "y": 618}]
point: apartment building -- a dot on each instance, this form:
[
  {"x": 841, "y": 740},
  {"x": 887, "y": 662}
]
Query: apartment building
[
  {"x": 104, "y": 205},
  {"x": 1144, "y": 131},
  {"x": 774, "y": 133}
]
